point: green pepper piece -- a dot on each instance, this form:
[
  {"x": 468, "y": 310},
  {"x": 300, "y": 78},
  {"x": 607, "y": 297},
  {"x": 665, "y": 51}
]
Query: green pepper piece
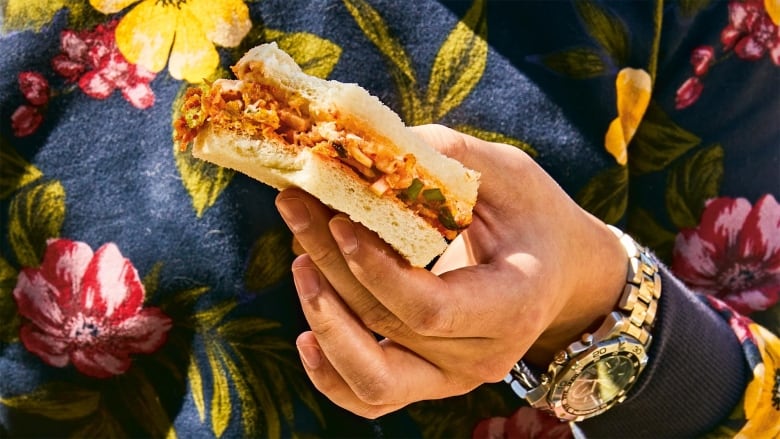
[
  {"x": 413, "y": 191},
  {"x": 447, "y": 220},
  {"x": 433, "y": 195}
]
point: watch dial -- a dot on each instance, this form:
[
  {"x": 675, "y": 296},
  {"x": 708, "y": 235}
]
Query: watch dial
[{"x": 600, "y": 383}]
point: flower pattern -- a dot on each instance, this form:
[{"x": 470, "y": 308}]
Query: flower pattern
[
  {"x": 92, "y": 59},
  {"x": 751, "y": 33},
  {"x": 86, "y": 308},
  {"x": 187, "y": 30},
  {"x": 734, "y": 253},
  {"x": 525, "y": 423}
]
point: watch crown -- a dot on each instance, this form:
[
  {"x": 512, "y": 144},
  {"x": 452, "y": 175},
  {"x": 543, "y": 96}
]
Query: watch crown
[
  {"x": 561, "y": 358},
  {"x": 545, "y": 379},
  {"x": 587, "y": 339}
]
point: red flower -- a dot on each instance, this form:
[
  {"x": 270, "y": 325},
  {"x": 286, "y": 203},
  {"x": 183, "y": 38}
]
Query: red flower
[
  {"x": 734, "y": 254},
  {"x": 525, "y": 423},
  {"x": 35, "y": 88},
  {"x": 95, "y": 53},
  {"x": 702, "y": 58},
  {"x": 25, "y": 120},
  {"x": 87, "y": 309},
  {"x": 688, "y": 93},
  {"x": 751, "y": 32}
]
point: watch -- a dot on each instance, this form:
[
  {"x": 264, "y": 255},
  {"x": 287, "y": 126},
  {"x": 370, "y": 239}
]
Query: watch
[{"x": 594, "y": 373}]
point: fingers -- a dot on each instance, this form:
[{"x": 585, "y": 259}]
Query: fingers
[{"x": 344, "y": 360}]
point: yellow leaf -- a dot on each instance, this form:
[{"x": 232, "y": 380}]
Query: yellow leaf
[
  {"x": 196, "y": 387},
  {"x": 208, "y": 319},
  {"x": 250, "y": 410},
  {"x": 58, "y": 400},
  {"x": 15, "y": 171},
  {"x": 28, "y": 14},
  {"x": 400, "y": 69},
  {"x": 152, "y": 280},
  {"x": 35, "y": 215},
  {"x": 316, "y": 56},
  {"x": 221, "y": 406},
  {"x": 633, "y": 89},
  {"x": 460, "y": 62},
  {"x": 773, "y": 9}
]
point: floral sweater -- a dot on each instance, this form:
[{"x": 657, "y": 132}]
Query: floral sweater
[{"x": 144, "y": 293}]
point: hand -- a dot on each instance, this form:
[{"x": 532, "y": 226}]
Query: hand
[{"x": 531, "y": 273}]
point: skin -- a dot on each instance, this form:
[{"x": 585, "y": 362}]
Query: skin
[{"x": 529, "y": 276}]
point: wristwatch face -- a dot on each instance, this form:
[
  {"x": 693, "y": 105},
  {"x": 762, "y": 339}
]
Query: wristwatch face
[{"x": 600, "y": 383}]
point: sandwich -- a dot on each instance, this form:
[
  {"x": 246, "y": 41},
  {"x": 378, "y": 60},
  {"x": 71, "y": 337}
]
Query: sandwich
[{"x": 334, "y": 140}]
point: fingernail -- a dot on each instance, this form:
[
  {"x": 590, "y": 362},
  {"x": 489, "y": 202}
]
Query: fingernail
[
  {"x": 310, "y": 355},
  {"x": 344, "y": 234},
  {"x": 295, "y": 213},
  {"x": 307, "y": 282}
]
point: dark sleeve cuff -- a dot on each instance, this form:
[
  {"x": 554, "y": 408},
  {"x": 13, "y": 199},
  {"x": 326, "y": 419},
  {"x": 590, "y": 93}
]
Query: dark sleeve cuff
[{"x": 696, "y": 375}]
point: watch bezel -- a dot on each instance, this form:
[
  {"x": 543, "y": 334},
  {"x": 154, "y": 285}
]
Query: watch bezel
[{"x": 567, "y": 375}]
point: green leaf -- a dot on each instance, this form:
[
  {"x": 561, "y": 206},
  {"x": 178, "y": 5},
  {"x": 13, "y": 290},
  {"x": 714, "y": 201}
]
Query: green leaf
[
  {"x": 207, "y": 319},
  {"x": 400, "y": 64},
  {"x": 57, "y": 400},
  {"x": 691, "y": 184},
  {"x": 152, "y": 281},
  {"x": 102, "y": 425},
  {"x": 689, "y": 8},
  {"x": 460, "y": 62},
  {"x": 606, "y": 195},
  {"x": 269, "y": 260},
  {"x": 658, "y": 142},
  {"x": 242, "y": 328},
  {"x": 578, "y": 63},
  {"x": 181, "y": 304},
  {"x": 316, "y": 56},
  {"x": 15, "y": 171},
  {"x": 457, "y": 416},
  {"x": 9, "y": 314},
  {"x": 606, "y": 29},
  {"x": 20, "y": 15},
  {"x": 252, "y": 412},
  {"x": 492, "y": 136},
  {"x": 141, "y": 399},
  {"x": 645, "y": 229},
  {"x": 36, "y": 214}
]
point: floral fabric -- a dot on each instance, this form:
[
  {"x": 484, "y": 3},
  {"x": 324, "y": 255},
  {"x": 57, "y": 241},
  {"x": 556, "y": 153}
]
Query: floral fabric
[{"x": 144, "y": 293}]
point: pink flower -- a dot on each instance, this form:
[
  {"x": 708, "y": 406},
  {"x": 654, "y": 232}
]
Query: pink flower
[
  {"x": 34, "y": 87},
  {"x": 525, "y": 423},
  {"x": 734, "y": 253},
  {"x": 26, "y": 120},
  {"x": 92, "y": 59},
  {"x": 751, "y": 32},
  {"x": 702, "y": 58},
  {"x": 87, "y": 309},
  {"x": 688, "y": 93}
]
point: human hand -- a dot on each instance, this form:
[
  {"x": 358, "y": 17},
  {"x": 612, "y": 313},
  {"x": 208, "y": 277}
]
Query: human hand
[{"x": 530, "y": 274}]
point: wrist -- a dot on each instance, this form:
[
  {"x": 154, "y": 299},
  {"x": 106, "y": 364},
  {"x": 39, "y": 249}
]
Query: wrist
[{"x": 595, "y": 290}]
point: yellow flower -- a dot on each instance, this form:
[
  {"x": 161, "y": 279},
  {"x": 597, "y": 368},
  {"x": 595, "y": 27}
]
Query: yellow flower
[
  {"x": 761, "y": 393},
  {"x": 773, "y": 9},
  {"x": 633, "y": 96},
  {"x": 187, "y": 30}
]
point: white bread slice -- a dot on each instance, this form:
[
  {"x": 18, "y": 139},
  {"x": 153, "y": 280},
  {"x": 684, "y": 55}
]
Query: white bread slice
[{"x": 281, "y": 166}]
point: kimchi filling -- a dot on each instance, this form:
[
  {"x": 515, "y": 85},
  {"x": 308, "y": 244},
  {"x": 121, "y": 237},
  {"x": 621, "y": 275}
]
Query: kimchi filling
[{"x": 262, "y": 111}]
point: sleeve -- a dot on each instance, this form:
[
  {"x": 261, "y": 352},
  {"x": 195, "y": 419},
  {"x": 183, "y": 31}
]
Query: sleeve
[
  {"x": 695, "y": 357},
  {"x": 703, "y": 351}
]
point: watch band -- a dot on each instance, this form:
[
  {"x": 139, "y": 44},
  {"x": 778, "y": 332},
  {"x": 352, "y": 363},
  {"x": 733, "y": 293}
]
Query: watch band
[{"x": 634, "y": 317}]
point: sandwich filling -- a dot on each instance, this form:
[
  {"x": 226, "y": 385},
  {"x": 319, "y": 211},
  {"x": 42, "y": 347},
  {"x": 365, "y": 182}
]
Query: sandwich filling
[{"x": 257, "y": 109}]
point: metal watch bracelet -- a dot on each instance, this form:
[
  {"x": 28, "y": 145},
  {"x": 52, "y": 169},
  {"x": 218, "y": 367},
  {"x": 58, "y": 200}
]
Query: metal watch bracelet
[{"x": 634, "y": 317}]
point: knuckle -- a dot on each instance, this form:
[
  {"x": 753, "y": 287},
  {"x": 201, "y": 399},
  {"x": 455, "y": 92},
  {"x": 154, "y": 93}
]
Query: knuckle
[
  {"x": 432, "y": 321},
  {"x": 374, "y": 389}
]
